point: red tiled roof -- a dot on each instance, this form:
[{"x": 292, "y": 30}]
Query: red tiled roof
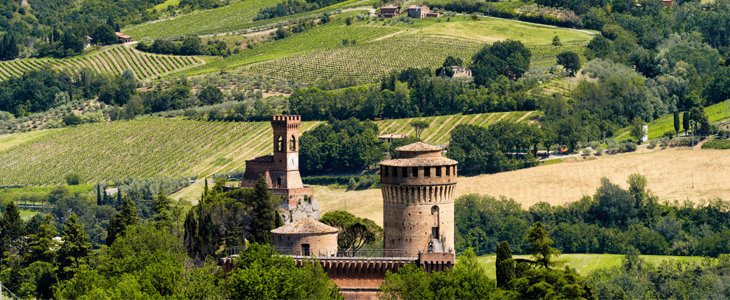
[{"x": 303, "y": 226}]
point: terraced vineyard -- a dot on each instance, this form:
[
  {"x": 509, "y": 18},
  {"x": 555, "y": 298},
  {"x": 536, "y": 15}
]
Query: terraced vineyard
[
  {"x": 124, "y": 149},
  {"x": 368, "y": 61},
  {"x": 112, "y": 60},
  {"x": 546, "y": 56},
  {"x": 230, "y": 18},
  {"x": 118, "y": 150}
]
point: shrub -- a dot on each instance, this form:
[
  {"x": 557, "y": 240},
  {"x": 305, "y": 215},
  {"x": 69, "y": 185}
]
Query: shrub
[
  {"x": 717, "y": 144},
  {"x": 586, "y": 152},
  {"x": 669, "y": 134},
  {"x": 681, "y": 141},
  {"x": 352, "y": 184},
  {"x": 665, "y": 142},
  {"x": 653, "y": 143},
  {"x": 595, "y": 145},
  {"x": 73, "y": 179}
]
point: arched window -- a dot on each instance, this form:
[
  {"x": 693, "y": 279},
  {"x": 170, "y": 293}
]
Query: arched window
[
  {"x": 293, "y": 143},
  {"x": 280, "y": 143}
]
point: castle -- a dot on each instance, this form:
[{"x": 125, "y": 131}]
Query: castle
[
  {"x": 281, "y": 171},
  {"x": 418, "y": 213}
]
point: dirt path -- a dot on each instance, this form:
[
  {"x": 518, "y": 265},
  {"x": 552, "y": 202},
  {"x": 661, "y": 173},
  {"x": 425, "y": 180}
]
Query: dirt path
[
  {"x": 93, "y": 63},
  {"x": 486, "y": 120},
  {"x": 523, "y": 117},
  {"x": 136, "y": 62},
  {"x": 126, "y": 62},
  {"x": 163, "y": 68},
  {"x": 502, "y": 117},
  {"x": 475, "y": 118},
  {"x": 114, "y": 61},
  {"x": 386, "y": 128},
  {"x": 146, "y": 58},
  {"x": 452, "y": 128},
  {"x": 438, "y": 129},
  {"x": 386, "y": 36}
]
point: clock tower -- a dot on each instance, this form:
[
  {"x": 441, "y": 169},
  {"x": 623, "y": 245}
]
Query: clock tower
[
  {"x": 280, "y": 169},
  {"x": 286, "y": 151}
]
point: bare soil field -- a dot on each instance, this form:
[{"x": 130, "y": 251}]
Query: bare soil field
[{"x": 672, "y": 174}]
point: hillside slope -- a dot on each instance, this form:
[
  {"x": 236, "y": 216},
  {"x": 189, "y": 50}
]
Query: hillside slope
[{"x": 672, "y": 174}]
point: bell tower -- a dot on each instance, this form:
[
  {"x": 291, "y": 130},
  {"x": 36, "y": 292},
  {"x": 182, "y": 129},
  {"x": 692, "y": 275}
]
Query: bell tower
[{"x": 286, "y": 152}]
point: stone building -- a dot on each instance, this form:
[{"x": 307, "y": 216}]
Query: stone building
[
  {"x": 418, "y": 11},
  {"x": 458, "y": 72},
  {"x": 281, "y": 171},
  {"x": 305, "y": 237},
  {"x": 418, "y": 201}
]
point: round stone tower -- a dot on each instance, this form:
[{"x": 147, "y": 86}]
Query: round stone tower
[{"x": 418, "y": 201}]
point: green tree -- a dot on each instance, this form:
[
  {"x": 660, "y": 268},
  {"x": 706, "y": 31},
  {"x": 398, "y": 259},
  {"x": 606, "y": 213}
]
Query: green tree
[
  {"x": 191, "y": 46},
  {"x": 118, "y": 223},
  {"x": 719, "y": 89},
  {"x": 104, "y": 35},
  {"x": 556, "y": 41},
  {"x": 210, "y": 95},
  {"x": 354, "y": 232},
  {"x": 637, "y": 130},
  {"x": 676, "y": 122},
  {"x": 42, "y": 245},
  {"x": 410, "y": 282},
  {"x": 71, "y": 119},
  {"x": 75, "y": 248},
  {"x": 11, "y": 230},
  {"x": 263, "y": 213},
  {"x": 507, "y": 58},
  {"x": 73, "y": 179},
  {"x": 569, "y": 60},
  {"x": 419, "y": 126},
  {"x": 685, "y": 121},
  {"x": 264, "y": 274},
  {"x": 451, "y": 61},
  {"x": 505, "y": 265},
  {"x": 542, "y": 250}
]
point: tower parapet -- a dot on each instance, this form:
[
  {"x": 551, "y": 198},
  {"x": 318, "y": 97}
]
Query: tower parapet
[{"x": 418, "y": 200}]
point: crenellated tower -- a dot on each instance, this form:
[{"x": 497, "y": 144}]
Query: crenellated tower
[{"x": 418, "y": 200}]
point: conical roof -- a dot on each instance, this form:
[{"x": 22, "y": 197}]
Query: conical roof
[
  {"x": 304, "y": 226},
  {"x": 418, "y": 147}
]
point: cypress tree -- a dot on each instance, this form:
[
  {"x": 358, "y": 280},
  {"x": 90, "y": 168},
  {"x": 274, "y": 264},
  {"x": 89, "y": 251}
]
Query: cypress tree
[
  {"x": 505, "y": 265},
  {"x": 676, "y": 122},
  {"x": 75, "y": 248},
  {"x": 685, "y": 121},
  {"x": 264, "y": 213},
  {"x": 99, "y": 198}
]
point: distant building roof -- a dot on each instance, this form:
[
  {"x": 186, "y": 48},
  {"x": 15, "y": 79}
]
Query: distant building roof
[
  {"x": 416, "y": 6},
  {"x": 419, "y": 162},
  {"x": 119, "y": 34},
  {"x": 393, "y": 136},
  {"x": 390, "y": 6},
  {"x": 304, "y": 226},
  {"x": 418, "y": 147}
]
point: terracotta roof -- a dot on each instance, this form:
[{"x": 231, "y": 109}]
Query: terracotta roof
[
  {"x": 393, "y": 136},
  {"x": 418, "y": 147},
  {"x": 303, "y": 226},
  {"x": 119, "y": 34},
  {"x": 419, "y": 162}
]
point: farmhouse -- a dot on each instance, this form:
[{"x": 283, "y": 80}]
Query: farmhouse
[
  {"x": 458, "y": 72},
  {"x": 123, "y": 38},
  {"x": 418, "y": 11},
  {"x": 389, "y": 11},
  {"x": 389, "y": 138}
]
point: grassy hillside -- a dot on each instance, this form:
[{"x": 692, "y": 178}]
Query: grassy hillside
[
  {"x": 231, "y": 18},
  {"x": 586, "y": 263},
  {"x": 380, "y": 47},
  {"x": 111, "y": 60},
  {"x": 135, "y": 148},
  {"x": 664, "y": 124},
  {"x": 672, "y": 175}
]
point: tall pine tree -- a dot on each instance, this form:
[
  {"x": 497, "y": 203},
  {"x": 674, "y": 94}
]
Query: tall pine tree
[
  {"x": 42, "y": 244},
  {"x": 11, "y": 229},
  {"x": 505, "y": 265},
  {"x": 118, "y": 223},
  {"x": 676, "y": 122},
  {"x": 75, "y": 248},
  {"x": 264, "y": 213}
]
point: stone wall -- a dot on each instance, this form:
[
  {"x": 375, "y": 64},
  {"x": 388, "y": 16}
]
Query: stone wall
[{"x": 320, "y": 245}]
